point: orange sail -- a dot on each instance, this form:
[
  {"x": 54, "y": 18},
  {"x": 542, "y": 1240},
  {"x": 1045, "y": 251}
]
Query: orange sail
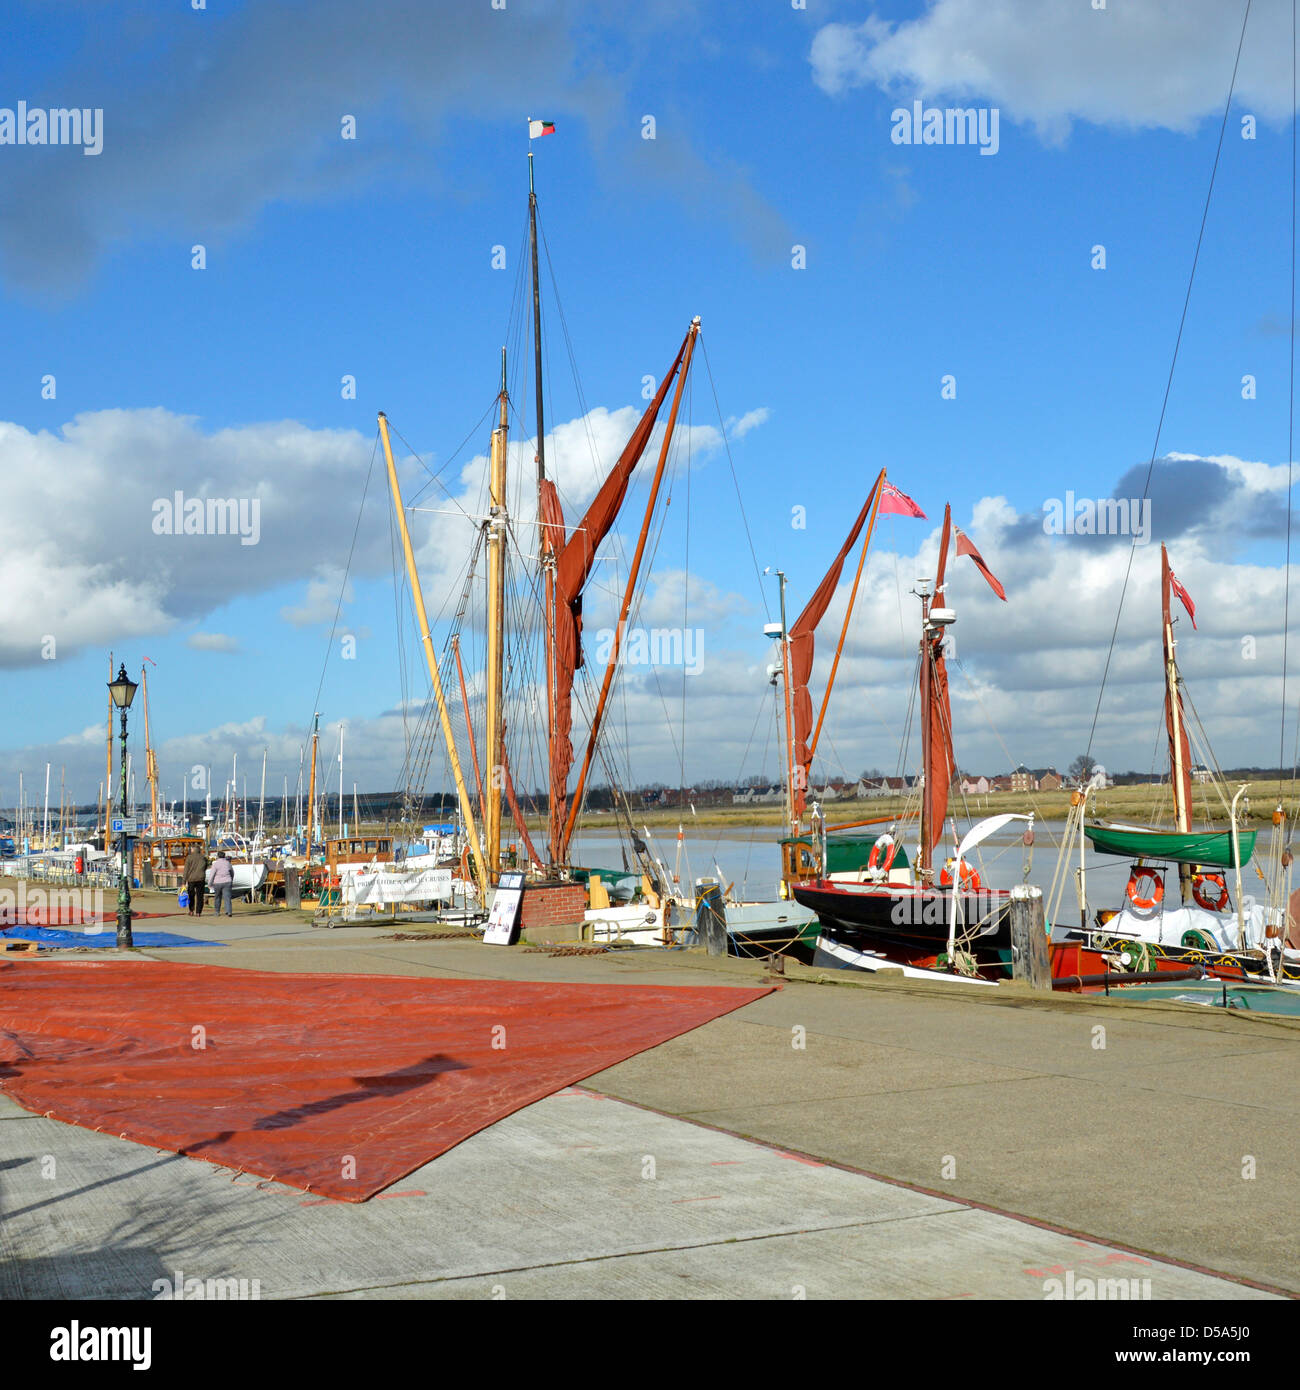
[
  {"x": 801, "y": 641},
  {"x": 574, "y": 562}
]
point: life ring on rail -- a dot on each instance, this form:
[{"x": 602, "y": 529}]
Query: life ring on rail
[
  {"x": 1210, "y": 892},
  {"x": 1157, "y": 892},
  {"x": 969, "y": 875},
  {"x": 890, "y": 851}
]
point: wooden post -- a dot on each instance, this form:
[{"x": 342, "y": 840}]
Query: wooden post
[
  {"x": 1030, "y": 955},
  {"x": 292, "y": 887},
  {"x": 711, "y": 916}
]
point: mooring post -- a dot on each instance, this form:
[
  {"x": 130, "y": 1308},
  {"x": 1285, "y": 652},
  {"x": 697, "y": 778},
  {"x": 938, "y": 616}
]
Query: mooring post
[
  {"x": 292, "y": 888},
  {"x": 1031, "y": 958},
  {"x": 711, "y": 915}
]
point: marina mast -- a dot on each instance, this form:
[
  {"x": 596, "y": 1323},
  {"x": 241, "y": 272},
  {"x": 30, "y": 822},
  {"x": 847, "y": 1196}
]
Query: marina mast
[{"x": 496, "y": 542}]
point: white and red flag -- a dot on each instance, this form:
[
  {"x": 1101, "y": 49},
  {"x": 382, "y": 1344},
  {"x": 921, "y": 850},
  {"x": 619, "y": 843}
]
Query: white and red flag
[
  {"x": 536, "y": 129},
  {"x": 966, "y": 547},
  {"x": 893, "y": 499}
]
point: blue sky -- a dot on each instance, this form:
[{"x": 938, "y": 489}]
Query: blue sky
[{"x": 372, "y": 258}]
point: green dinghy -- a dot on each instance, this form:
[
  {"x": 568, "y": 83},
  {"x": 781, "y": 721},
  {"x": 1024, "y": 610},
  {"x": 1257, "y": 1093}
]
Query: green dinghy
[{"x": 1210, "y": 847}]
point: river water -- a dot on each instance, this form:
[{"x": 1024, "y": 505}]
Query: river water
[{"x": 750, "y": 857}]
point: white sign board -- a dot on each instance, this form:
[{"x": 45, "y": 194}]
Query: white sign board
[
  {"x": 375, "y": 886},
  {"x": 124, "y": 825},
  {"x": 503, "y": 920}
]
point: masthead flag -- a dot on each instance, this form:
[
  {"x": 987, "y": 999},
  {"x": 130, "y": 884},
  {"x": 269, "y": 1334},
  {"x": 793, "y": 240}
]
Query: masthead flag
[
  {"x": 1184, "y": 596},
  {"x": 893, "y": 499},
  {"x": 966, "y": 547},
  {"x": 536, "y": 129}
]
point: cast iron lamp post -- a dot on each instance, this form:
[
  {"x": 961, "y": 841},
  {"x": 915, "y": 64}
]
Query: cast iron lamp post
[{"x": 123, "y": 692}]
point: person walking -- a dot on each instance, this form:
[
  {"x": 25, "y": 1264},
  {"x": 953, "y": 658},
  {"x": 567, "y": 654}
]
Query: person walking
[
  {"x": 195, "y": 874},
  {"x": 223, "y": 881}
]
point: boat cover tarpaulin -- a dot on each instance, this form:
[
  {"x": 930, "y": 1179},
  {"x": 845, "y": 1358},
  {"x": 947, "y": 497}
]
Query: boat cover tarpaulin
[
  {"x": 105, "y": 938},
  {"x": 338, "y": 1084},
  {"x": 1208, "y": 847}
]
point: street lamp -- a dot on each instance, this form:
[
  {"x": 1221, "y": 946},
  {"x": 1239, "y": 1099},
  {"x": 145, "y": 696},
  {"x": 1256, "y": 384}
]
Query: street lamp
[{"x": 123, "y": 691}]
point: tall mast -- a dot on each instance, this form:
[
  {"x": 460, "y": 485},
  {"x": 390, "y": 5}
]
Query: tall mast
[
  {"x": 426, "y": 642},
  {"x": 546, "y": 542},
  {"x": 633, "y": 572},
  {"x": 150, "y": 761},
  {"x": 789, "y": 715},
  {"x": 340, "y": 781},
  {"x": 1179, "y": 749},
  {"x": 108, "y": 772},
  {"x": 311, "y": 791},
  {"x": 496, "y": 529},
  {"x": 923, "y": 866},
  {"x": 261, "y": 798},
  {"x": 537, "y": 327}
]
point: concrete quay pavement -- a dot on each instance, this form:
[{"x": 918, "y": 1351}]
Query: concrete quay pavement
[{"x": 1137, "y": 1143}]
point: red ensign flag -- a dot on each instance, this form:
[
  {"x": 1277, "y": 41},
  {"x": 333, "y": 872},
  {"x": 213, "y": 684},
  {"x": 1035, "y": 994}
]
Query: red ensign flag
[
  {"x": 894, "y": 500},
  {"x": 1184, "y": 596}
]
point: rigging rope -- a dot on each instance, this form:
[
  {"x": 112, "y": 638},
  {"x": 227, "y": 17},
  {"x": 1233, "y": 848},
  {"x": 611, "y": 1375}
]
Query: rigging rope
[{"x": 1164, "y": 405}]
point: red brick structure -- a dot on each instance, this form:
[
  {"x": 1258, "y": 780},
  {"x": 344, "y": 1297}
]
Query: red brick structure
[{"x": 552, "y": 905}]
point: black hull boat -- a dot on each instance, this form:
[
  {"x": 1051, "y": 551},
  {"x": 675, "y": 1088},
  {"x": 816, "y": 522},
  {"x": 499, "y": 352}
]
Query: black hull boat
[{"x": 907, "y": 922}]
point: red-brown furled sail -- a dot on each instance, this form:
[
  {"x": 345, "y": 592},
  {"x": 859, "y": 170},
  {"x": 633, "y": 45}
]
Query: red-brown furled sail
[
  {"x": 1180, "y": 753},
  {"x": 802, "y": 645},
  {"x": 572, "y": 570},
  {"x": 936, "y": 714}
]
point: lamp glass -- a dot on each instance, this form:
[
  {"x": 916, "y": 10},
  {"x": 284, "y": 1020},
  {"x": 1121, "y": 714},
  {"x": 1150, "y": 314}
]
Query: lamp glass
[{"x": 122, "y": 689}]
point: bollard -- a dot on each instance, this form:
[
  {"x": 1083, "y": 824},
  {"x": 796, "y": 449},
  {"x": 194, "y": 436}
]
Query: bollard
[
  {"x": 1031, "y": 958},
  {"x": 292, "y": 888},
  {"x": 711, "y": 915}
]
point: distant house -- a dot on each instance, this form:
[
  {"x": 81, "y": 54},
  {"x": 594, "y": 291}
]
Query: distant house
[
  {"x": 1023, "y": 780},
  {"x": 1201, "y": 774},
  {"x": 1049, "y": 780},
  {"x": 975, "y": 786}
]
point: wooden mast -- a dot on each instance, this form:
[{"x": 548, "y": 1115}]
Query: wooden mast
[
  {"x": 473, "y": 746},
  {"x": 426, "y": 642},
  {"x": 1180, "y": 774},
  {"x": 631, "y": 583},
  {"x": 496, "y": 542},
  {"x": 923, "y": 866},
  {"x": 791, "y": 816},
  {"x": 546, "y": 542}
]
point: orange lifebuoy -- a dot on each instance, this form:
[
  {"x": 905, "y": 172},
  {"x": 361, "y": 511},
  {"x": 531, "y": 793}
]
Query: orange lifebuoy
[
  {"x": 1157, "y": 892},
  {"x": 1216, "y": 898},
  {"x": 873, "y": 860},
  {"x": 969, "y": 875}
]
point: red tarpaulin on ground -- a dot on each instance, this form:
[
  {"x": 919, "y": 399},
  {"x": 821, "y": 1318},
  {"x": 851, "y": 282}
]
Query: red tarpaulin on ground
[{"x": 339, "y": 1084}]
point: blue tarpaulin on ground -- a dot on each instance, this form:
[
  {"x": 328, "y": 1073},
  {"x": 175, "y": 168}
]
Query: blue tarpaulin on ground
[{"x": 147, "y": 940}]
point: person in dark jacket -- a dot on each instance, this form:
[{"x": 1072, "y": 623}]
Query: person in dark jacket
[{"x": 195, "y": 874}]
